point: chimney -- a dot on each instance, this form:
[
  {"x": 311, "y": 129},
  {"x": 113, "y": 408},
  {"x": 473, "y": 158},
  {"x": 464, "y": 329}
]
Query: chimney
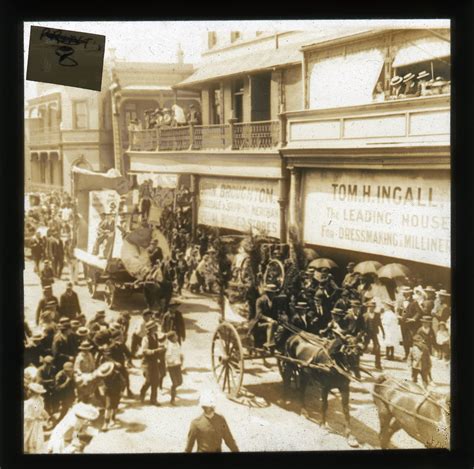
[{"x": 180, "y": 54}]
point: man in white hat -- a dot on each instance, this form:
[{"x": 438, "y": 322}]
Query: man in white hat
[
  {"x": 74, "y": 423},
  {"x": 209, "y": 429}
]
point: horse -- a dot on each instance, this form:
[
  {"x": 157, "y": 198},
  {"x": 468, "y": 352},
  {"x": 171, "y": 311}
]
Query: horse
[
  {"x": 424, "y": 415},
  {"x": 324, "y": 370}
]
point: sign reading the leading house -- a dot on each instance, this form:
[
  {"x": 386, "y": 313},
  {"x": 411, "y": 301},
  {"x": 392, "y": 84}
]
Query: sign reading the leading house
[
  {"x": 68, "y": 58},
  {"x": 394, "y": 214},
  {"x": 239, "y": 204}
]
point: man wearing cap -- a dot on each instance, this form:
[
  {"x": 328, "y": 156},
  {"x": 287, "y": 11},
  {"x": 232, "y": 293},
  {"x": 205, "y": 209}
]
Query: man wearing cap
[
  {"x": 351, "y": 279},
  {"x": 140, "y": 332},
  {"x": 49, "y": 305},
  {"x": 46, "y": 377},
  {"x": 63, "y": 344},
  {"x": 372, "y": 326},
  {"x": 410, "y": 321},
  {"x": 150, "y": 364},
  {"x": 209, "y": 430},
  {"x": 69, "y": 303},
  {"x": 65, "y": 388},
  {"x": 98, "y": 322},
  {"x": 265, "y": 315},
  {"x": 442, "y": 311}
]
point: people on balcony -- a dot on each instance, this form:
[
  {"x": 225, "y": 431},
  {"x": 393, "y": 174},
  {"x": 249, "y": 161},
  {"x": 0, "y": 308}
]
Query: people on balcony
[
  {"x": 179, "y": 119},
  {"x": 194, "y": 116}
]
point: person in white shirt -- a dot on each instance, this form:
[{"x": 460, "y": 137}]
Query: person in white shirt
[
  {"x": 174, "y": 362},
  {"x": 391, "y": 328}
]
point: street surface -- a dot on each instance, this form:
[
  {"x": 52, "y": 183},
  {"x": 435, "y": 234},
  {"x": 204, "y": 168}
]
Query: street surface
[{"x": 260, "y": 422}]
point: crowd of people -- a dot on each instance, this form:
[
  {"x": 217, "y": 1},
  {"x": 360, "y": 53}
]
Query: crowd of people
[
  {"x": 167, "y": 117},
  {"x": 411, "y": 85},
  {"x": 378, "y": 312}
]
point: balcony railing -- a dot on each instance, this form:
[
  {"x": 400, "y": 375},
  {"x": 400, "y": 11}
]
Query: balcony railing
[
  {"x": 45, "y": 136},
  {"x": 242, "y": 136},
  {"x": 256, "y": 135}
]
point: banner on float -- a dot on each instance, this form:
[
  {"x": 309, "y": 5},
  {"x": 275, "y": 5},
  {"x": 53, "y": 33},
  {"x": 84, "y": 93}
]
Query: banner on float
[
  {"x": 391, "y": 213},
  {"x": 106, "y": 201},
  {"x": 240, "y": 204}
]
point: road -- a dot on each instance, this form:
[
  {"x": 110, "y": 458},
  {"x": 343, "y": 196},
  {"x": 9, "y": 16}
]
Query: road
[{"x": 260, "y": 422}]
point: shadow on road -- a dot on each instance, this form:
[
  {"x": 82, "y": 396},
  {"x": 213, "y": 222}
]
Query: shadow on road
[
  {"x": 130, "y": 427},
  {"x": 191, "y": 324}
]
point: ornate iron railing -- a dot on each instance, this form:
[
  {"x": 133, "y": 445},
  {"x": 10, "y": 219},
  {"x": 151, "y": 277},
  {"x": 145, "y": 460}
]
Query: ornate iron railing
[
  {"x": 242, "y": 136},
  {"x": 211, "y": 137},
  {"x": 256, "y": 135}
]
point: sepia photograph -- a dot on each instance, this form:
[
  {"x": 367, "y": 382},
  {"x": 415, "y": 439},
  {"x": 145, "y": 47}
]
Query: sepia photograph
[{"x": 237, "y": 236}]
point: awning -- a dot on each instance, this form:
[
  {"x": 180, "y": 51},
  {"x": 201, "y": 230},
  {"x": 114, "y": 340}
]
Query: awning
[
  {"x": 256, "y": 61},
  {"x": 422, "y": 50},
  {"x": 85, "y": 180}
]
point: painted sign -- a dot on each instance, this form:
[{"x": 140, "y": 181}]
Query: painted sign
[
  {"x": 240, "y": 204},
  {"x": 390, "y": 213}
]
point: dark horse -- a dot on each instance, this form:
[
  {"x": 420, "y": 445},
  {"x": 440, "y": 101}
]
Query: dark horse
[
  {"x": 424, "y": 415},
  {"x": 321, "y": 368}
]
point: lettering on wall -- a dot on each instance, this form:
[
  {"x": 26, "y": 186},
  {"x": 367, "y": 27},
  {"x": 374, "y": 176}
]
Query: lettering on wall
[
  {"x": 239, "y": 205},
  {"x": 389, "y": 213}
]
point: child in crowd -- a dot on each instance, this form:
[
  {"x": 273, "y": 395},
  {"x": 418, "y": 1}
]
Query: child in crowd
[{"x": 442, "y": 341}]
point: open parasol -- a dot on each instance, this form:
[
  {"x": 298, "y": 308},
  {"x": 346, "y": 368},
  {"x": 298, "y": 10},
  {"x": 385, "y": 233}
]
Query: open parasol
[
  {"x": 393, "y": 271},
  {"x": 323, "y": 262},
  {"x": 367, "y": 267}
]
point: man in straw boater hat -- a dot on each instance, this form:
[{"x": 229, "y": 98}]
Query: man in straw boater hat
[
  {"x": 372, "y": 326},
  {"x": 34, "y": 418},
  {"x": 395, "y": 87},
  {"x": 210, "y": 429},
  {"x": 422, "y": 81},
  {"x": 74, "y": 423},
  {"x": 150, "y": 363},
  {"x": 420, "y": 359},
  {"x": 410, "y": 88}
]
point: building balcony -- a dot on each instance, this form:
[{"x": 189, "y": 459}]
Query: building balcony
[
  {"x": 50, "y": 136},
  {"x": 247, "y": 136},
  {"x": 420, "y": 121}
]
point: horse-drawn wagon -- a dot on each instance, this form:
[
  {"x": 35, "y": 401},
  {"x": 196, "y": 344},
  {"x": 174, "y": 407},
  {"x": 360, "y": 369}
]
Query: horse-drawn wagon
[{"x": 111, "y": 242}]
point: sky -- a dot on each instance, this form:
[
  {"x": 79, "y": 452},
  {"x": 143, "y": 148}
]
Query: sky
[{"x": 157, "y": 41}]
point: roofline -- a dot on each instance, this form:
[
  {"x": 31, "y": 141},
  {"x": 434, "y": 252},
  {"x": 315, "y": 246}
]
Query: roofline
[
  {"x": 195, "y": 84},
  {"x": 360, "y": 35}
]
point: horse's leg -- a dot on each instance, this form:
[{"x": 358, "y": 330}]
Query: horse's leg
[
  {"x": 324, "y": 403},
  {"x": 384, "y": 417},
  {"x": 345, "y": 392}
]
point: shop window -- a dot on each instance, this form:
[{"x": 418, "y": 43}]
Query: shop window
[
  {"x": 211, "y": 39},
  {"x": 234, "y": 35},
  {"x": 81, "y": 117}
]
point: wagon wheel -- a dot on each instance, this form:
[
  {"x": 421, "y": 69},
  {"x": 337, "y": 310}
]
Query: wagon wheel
[
  {"x": 274, "y": 273},
  {"x": 110, "y": 293},
  {"x": 91, "y": 280},
  {"x": 227, "y": 359},
  {"x": 294, "y": 374}
]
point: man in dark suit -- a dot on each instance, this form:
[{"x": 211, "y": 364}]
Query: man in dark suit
[
  {"x": 265, "y": 315},
  {"x": 372, "y": 325},
  {"x": 173, "y": 321},
  {"x": 65, "y": 388},
  {"x": 49, "y": 304},
  {"x": 63, "y": 344},
  {"x": 69, "y": 303},
  {"x": 410, "y": 322}
]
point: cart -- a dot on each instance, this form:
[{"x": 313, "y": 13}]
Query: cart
[{"x": 117, "y": 270}]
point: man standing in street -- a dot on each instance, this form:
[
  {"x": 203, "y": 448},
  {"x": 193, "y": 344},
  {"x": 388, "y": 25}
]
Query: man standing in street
[
  {"x": 37, "y": 251},
  {"x": 139, "y": 334},
  {"x": 65, "y": 388},
  {"x": 47, "y": 274},
  {"x": 63, "y": 344},
  {"x": 69, "y": 303},
  {"x": 150, "y": 363},
  {"x": 173, "y": 321},
  {"x": 209, "y": 430},
  {"x": 49, "y": 305},
  {"x": 372, "y": 325}
]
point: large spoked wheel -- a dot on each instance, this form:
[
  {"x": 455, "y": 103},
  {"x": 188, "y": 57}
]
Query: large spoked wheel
[
  {"x": 91, "y": 280},
  {"x": 110, "y": 293},
  {"x": 228, "y": 359},
  {"x": 289, "y": 373}
]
